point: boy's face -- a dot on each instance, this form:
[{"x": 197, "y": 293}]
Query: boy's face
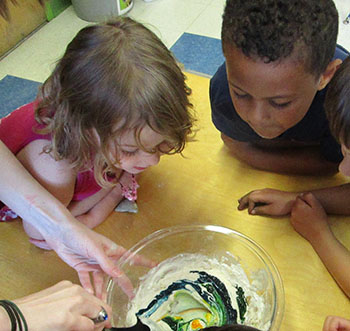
[{"x": 270, "y": 97}]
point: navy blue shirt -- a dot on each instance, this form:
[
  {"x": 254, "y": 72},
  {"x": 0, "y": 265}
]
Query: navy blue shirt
[{"x": 313, "y": 128}]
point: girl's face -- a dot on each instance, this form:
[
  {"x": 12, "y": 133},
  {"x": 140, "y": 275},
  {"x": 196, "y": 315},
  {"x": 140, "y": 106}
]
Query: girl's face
[
  {"x": 344, "y": 166},
  {"x": 132, "y": 158}
]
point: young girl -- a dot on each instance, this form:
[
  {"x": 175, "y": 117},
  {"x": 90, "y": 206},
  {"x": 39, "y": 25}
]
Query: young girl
[
  {"x": 114, "y": 104},
  {"x": 308, "y": 210}
]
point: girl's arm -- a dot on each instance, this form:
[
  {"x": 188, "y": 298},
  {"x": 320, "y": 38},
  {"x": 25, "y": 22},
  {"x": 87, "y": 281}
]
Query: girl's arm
[
  {"x": 106, "y": 201},
  {"x": 310, "y": 220}
]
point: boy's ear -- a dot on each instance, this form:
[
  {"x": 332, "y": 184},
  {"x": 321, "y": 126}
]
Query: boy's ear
[{"x": 328, "y": 73}]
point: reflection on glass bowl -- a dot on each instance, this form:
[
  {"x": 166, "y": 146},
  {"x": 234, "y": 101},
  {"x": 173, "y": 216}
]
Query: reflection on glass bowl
[{"x": 223, "y": 253}]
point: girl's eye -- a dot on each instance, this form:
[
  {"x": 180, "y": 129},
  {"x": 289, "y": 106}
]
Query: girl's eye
[
  {"x": 280, "y": 105},
  {"x": 129, "y": 153}
]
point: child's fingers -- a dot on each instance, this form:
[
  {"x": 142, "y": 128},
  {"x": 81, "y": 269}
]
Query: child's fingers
[
  {"x": 261, "y": 208},
  {"x": 243, "y": 202},
  {"x": 251, "y": 205},
  {"x": 307, "y": 198}
]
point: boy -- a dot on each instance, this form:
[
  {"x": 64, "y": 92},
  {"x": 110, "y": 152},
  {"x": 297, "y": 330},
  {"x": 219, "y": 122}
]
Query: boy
[
  {"x": 308, "y": 210},
  {"x": 267, "y": 100}
]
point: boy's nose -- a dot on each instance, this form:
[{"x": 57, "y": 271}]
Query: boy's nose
[{"x": 259, "y": 113}]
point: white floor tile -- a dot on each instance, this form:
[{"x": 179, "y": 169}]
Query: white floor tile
[
  {"x": 208, "y": 22},
  {"x": 168, "y": 14},
  {"x": 343, "y": 7}
]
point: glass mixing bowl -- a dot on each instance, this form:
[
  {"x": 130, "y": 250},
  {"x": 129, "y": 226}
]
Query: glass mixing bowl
[{"x": 211, "y": 241}]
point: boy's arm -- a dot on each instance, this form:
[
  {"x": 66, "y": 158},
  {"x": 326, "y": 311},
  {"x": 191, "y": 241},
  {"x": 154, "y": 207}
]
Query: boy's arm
[
  {"x": 298, "y": 160},
  {"x": 310, "y": 220}
]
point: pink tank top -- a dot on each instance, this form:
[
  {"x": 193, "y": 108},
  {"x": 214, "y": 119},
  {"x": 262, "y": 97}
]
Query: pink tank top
[{"x": 16, "y": 132}]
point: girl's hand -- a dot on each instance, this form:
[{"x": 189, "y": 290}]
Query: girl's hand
[
  {"x": 308, "y": 217},
  {"x": 267, "y": 202},
  {"x": 335, "y": 323},
  {"x": 63, "y": 307}
]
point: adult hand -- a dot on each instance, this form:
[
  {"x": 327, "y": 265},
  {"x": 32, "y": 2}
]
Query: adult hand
[
  {"x": 267, "y": 202},
  {"x": 91, "y": 253},
  {"x": 309, "y": 218},
  {"x": 63, "y": 307},
  {"x": 335, "y": 323}
]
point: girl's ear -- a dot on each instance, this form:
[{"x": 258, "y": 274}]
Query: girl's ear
[{"x": 328, "y": 73}]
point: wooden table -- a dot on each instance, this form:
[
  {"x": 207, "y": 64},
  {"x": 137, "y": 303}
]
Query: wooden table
[{"x": 201, "y": 188}]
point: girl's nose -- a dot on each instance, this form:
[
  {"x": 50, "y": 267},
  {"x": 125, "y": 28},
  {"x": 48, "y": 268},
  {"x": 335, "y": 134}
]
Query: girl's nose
[{"x": 153, "y": 158}]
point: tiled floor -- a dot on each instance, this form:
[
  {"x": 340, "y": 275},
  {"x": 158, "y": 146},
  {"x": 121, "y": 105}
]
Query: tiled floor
[{"x": 35, "y": 57}]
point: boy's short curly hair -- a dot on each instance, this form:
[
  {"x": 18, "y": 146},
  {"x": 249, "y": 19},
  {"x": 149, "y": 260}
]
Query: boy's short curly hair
[
  {"x": 272, "y": 30},
  {"x": 337, "y": 104}
]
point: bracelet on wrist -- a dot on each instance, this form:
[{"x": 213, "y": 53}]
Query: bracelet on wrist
[{"x": 16, "y": 317}]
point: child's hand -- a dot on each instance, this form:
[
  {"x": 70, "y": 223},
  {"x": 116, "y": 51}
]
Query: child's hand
[
  {"x": 267, "y": 202},
  {"x": 308, "y": 217},
  {"x": 335, "y": 323}
]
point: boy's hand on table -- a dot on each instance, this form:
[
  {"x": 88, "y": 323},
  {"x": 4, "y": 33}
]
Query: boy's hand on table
[
  {"x": 309, "y": 218},
  {"x": 267, "y": 202}
]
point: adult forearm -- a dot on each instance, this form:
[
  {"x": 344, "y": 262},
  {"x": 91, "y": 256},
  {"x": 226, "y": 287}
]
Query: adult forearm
[
  {"x": 5, "y": 323},
  {"x": 22, "y": 193}
]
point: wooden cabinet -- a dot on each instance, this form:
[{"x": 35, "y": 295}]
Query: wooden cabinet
[{"x": 24, "y": 16}]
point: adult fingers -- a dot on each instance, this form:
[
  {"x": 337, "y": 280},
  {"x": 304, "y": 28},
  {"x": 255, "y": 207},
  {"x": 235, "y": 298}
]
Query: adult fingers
[
  {"x": 85, "y": 281},
  {"x": 125, "y": 284},
  {"x": 106, "y": 256},
  {"x": 140, "y": 260},
  {"x": 98, "y": 278}
]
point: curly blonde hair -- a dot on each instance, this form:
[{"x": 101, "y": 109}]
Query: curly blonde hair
[{"x": 113, "y": 77}]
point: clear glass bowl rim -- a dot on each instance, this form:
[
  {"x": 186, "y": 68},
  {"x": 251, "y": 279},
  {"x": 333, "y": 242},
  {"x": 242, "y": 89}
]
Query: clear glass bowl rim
[{"x": 264, "y": 256}]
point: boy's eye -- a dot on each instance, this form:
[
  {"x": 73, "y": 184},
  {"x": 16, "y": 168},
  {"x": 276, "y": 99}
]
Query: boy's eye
[
  {"x": 240, "y": 96},
  {"x": 280, "y": 105}
]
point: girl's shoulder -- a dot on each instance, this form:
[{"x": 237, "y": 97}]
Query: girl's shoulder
[{"x": 17, "y": 128}]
